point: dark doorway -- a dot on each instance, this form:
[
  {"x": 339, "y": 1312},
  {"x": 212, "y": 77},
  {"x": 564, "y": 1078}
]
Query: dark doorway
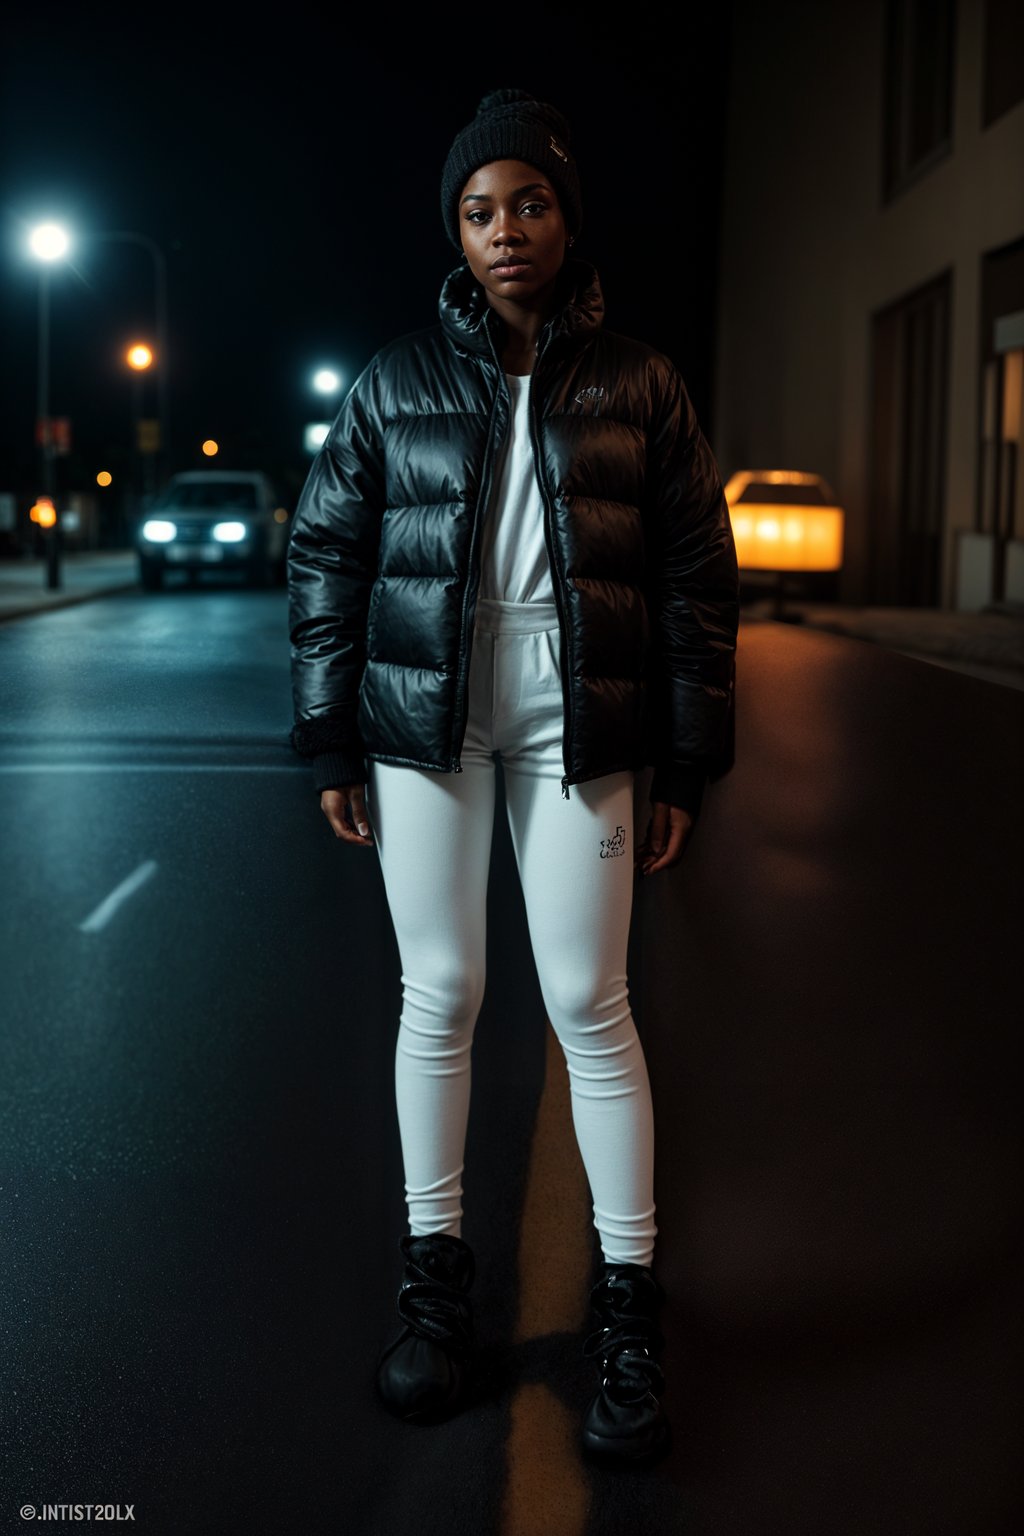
[
  {"x": 1000, "y": 495},
  {"x": 910, "y": 379}
]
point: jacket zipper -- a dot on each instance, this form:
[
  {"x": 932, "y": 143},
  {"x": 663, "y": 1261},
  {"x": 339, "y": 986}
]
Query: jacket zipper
[
  {"x": 462, "y": 682},
  {"x": 559, "y": 574},
  {"x": 484, "y": 498}
]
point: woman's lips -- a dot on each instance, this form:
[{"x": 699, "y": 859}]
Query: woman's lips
[{"x": 511, "y": 269}]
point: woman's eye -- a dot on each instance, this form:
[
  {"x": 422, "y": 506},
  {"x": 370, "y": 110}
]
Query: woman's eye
[{"x": 472, "y": 214}]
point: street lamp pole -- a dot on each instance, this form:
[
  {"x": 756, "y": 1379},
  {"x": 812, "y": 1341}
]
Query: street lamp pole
[
  {"x": 138, "y": 357},
  {"x": 43, "y": 408},
  {"x": 48, "y": 242},
  {"x": 160, "y": 280},
  {"x": 45, "y": 425}
]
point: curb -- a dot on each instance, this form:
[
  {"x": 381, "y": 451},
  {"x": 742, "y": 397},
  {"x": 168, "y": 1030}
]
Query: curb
[{"x": 66, "y": 601}]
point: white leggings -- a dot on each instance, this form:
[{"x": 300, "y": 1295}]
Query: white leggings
[{"x": 575, "y": 860}]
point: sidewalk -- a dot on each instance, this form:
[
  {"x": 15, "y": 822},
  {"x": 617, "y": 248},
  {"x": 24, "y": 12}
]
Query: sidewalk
[
  {"x": 90, "y": 573},
  {"x": 988, "y": 644}
]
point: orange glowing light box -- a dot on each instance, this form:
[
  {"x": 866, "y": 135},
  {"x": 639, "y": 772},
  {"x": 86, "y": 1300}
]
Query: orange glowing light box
[{"x": 784, "y": 520}]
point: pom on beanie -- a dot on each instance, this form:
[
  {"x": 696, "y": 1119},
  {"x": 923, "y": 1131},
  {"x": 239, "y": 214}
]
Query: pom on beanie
[{"x": 512, "y": 125}]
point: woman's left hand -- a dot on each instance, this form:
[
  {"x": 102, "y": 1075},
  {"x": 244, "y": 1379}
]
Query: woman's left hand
[{"x": 667, "y": 834}]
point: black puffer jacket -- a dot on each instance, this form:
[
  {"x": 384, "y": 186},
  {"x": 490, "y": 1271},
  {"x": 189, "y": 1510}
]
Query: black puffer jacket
[{"x": 383, "y": 564}]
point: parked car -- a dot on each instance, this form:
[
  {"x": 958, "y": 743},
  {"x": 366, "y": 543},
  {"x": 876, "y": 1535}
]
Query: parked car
[{"x": 214, "y": 519}]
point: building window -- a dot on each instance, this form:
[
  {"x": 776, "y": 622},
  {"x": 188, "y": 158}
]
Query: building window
[
  {"x": 1003, "y": 85},
  {"x": 919, "y": 52}
]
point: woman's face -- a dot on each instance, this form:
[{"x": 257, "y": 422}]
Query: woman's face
[{"x": 509, "y": 213}]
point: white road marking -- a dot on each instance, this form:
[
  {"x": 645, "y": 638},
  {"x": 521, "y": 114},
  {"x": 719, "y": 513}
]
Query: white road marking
[{"x": 100, "y": 916}]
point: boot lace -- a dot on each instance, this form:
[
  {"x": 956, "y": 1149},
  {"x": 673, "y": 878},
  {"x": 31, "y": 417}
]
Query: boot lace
[
  {"x": 436, "y": 1309},
  {"x": 624, "y": 1343}
]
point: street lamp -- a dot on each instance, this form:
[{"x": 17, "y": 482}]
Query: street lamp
[
  {"x": 160, "y": 282},
  {"x": 139, "y": 358},
  {"x": 326, "y": 382},
  {"x": 132, "y": 237},
  {"x": 48, "y": 243}
]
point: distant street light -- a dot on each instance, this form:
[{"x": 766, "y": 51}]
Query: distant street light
[
  {"x": 211, "y": 448},
  {"x": 139, "y": 358},
  {"x": 43, "y": 512},
  {"x": 48, "y": 242},
  {"x": 326, "y": 381}
]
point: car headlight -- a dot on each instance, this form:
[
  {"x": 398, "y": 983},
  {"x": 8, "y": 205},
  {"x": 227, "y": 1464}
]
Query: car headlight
[
  {"x": 158, "y": 530},
  {"x": 230, "y": 533}
]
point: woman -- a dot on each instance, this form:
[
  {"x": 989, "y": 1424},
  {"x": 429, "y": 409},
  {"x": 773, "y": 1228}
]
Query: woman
[{"x": 515, "y": 543}]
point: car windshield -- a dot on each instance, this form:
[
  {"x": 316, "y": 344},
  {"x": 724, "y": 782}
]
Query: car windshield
[{"x": 210, "y": 495}]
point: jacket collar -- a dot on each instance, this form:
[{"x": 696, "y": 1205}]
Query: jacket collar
[{"x": 471, "y": 324}]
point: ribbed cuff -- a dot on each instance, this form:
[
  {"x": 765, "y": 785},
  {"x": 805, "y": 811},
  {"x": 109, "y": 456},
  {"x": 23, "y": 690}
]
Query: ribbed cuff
[
  {"x": 332, "y": 770},
  {"x": 681, "y": 785}
]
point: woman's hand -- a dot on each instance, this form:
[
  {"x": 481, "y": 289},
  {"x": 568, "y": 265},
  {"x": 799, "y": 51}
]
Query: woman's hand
[
  {"x": 667, "y": 833},
  {"x": 356, "y": 827}
]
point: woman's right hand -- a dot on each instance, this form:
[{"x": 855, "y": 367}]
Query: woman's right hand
[{"x": 354, "y": 828}]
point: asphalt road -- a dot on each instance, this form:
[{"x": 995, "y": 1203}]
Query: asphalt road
[{"x": 200, "y": 1174}]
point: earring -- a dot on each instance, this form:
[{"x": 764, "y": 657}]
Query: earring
[{"x": 571, "y": 240}]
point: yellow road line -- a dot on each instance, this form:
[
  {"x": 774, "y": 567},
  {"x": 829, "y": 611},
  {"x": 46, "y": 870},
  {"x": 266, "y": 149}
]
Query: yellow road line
[{"x": 546, "y": 1487}]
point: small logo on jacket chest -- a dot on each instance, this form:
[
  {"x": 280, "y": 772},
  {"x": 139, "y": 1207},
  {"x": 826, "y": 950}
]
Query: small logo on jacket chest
[
  {"x": 612, "y": 847},
  {"x": 589, "y": 400}
]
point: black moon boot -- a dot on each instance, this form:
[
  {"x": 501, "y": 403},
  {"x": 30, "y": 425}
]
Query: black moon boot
[
  {"x": 424, "y": 1374},
  {"x": 625, "y": 1423}
]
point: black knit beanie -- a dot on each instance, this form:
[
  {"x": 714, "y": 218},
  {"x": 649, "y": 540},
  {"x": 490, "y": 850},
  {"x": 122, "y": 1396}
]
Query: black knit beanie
[{"x": 512, "y": 125}]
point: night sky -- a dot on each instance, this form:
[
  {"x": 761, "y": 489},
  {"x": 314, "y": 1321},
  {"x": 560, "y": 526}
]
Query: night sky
[{"x": 291, "y": 175}]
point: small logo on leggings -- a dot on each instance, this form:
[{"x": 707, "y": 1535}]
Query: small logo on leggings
[{"x": 612, "y": 847}]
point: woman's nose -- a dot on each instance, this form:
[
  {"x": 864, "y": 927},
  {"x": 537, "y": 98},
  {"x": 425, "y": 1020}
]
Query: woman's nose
[{"x": 506, "y": 232}]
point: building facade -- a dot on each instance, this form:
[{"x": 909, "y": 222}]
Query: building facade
[{"x": 871, "y": 295}]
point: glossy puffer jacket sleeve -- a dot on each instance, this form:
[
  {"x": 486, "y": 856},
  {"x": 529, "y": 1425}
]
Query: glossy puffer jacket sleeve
[
  {"x": 694, "y": 584},
  {"x": 332, "y": 566}
]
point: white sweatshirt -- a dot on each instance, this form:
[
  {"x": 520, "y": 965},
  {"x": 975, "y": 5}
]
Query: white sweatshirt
[{"x": 514, "y": 565}]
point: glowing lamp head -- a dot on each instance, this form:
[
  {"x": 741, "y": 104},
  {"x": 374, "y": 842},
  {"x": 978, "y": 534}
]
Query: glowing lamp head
[
  {"x": 211, "y": 448},
  {"x": 785, "y": 520},
  {"x": 48, "y": 242},
  {"x": 139, "y": 356},
  {"x": 104, "y": 477}
]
